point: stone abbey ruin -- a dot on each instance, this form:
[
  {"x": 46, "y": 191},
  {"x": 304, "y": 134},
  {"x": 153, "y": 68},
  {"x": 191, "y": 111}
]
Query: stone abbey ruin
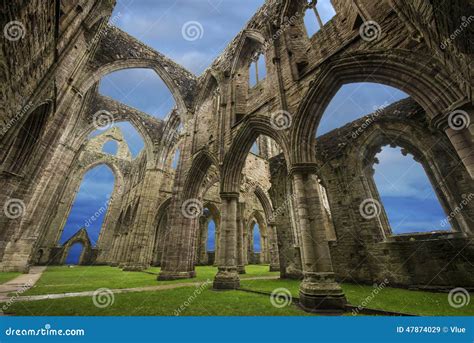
[{"x": 319, "y": 212}]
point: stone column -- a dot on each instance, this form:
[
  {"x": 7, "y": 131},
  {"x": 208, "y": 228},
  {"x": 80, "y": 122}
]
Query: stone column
[
  {"x": 201, "y": 255},
  {"x": 273, "y": 247},
  {"x": 240, "y": 238},
  {"x": 245, "y": 244},
  {"x": 460, "y": 131},
  {"x": 318, "y": 291},
  {"x": 178, "y": 256},
  {"x": 227, "y": 276}
]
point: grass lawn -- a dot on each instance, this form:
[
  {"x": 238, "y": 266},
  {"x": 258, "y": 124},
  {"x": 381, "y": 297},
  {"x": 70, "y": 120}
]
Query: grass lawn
[
  {"x": 165, "y": 302},
  {"x": 389, "y": 299},
  {"x": 63, "y": 279},
  {"x": 161, "y": 303},
  {"x": 7, "y": 276}
]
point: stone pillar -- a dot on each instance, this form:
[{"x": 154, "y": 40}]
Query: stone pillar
[
  {"x": 240, "y": 238},
  {"x": 227, "y": 276},
  {"x": 201, "y": 244},
  {"x": 245, "y": 245},
  {"x": 318, "y": 291},
  {"x": 178, "y": 256},
  {"x": 460, "y": 132},
  {"x": 273, "y": 246}
]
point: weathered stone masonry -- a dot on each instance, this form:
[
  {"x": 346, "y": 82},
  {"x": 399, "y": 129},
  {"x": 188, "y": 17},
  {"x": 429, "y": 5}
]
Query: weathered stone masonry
[{"x": 303, "y": 192}]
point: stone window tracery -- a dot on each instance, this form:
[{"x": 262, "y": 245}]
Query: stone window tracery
[
  {"x": 258, "y": 71},
  {"x": 317, "y": 14}
]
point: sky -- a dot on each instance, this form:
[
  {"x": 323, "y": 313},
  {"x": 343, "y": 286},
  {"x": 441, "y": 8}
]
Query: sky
[
  {"x": 92, "y": 198},
  {"x": 408, "y": 197},
  {"x": 256, "y": 238},
  {"x": 211, "y": 236}
]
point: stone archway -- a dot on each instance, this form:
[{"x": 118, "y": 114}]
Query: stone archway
[
  {"x": 81, "y": 237},
  {"x": 428, "y": 84},
  {"x": 204, "y": 256},
  {"x": 437, "y": 164},
  {"x": 66, "y": 199},
  {"x": 253, "y": 257},
  {"x": 186, "y": 208},
  {"x": 161, "y": 232}
]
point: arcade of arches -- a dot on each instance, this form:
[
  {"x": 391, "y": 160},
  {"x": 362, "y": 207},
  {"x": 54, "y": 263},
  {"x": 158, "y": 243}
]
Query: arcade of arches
[{"x": 305, "y": 194}]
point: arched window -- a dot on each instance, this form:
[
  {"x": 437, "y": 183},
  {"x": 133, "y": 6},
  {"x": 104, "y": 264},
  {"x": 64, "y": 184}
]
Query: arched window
[
  {"x": 211, "y": 236},
  {"x": 257, "y": 243},
  {"x": 142, "y": 89},
  {"x": 110, "y": 147},
  {"x": 356, "y": 100},
  {"x": 408, "y": 197},
  {"x": 91, "y": 203},
  {"x": 258, "y": 70},
  {"x": 317, "y": 14},
  {"x": 175, "y": 162},
  {"x": 132, "y": 137},
  {"x": 74, "y": 254}
]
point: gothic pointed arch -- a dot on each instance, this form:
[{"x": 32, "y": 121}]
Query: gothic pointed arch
[
  {"x": 427, "y": 83},
  {"x": 112, "y": 56},
  {"x": 235, "y": 158},
  {"x": 203, "y": 160}
]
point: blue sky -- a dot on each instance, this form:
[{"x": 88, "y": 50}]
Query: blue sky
[
  {"x": 133, "y": 139},
  {"x": 408, "y": 197},
  {"x": 211, "y": 236},
  {"x": 94, "y": 193},
  {"x": 256, "y": 238}
]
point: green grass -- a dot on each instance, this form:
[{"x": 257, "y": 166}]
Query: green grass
[
  {"x": 7, "y": 276},
  {"x": 64, "y": 279},
  {"x": 389, "y": 299},
  {"x": 160, "y": 303}
]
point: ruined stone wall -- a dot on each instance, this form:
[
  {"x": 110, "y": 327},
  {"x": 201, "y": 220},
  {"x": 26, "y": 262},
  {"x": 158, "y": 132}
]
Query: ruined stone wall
[
  {"x": 222, "y": 117},
  {"x": 365, "y": 249}
]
